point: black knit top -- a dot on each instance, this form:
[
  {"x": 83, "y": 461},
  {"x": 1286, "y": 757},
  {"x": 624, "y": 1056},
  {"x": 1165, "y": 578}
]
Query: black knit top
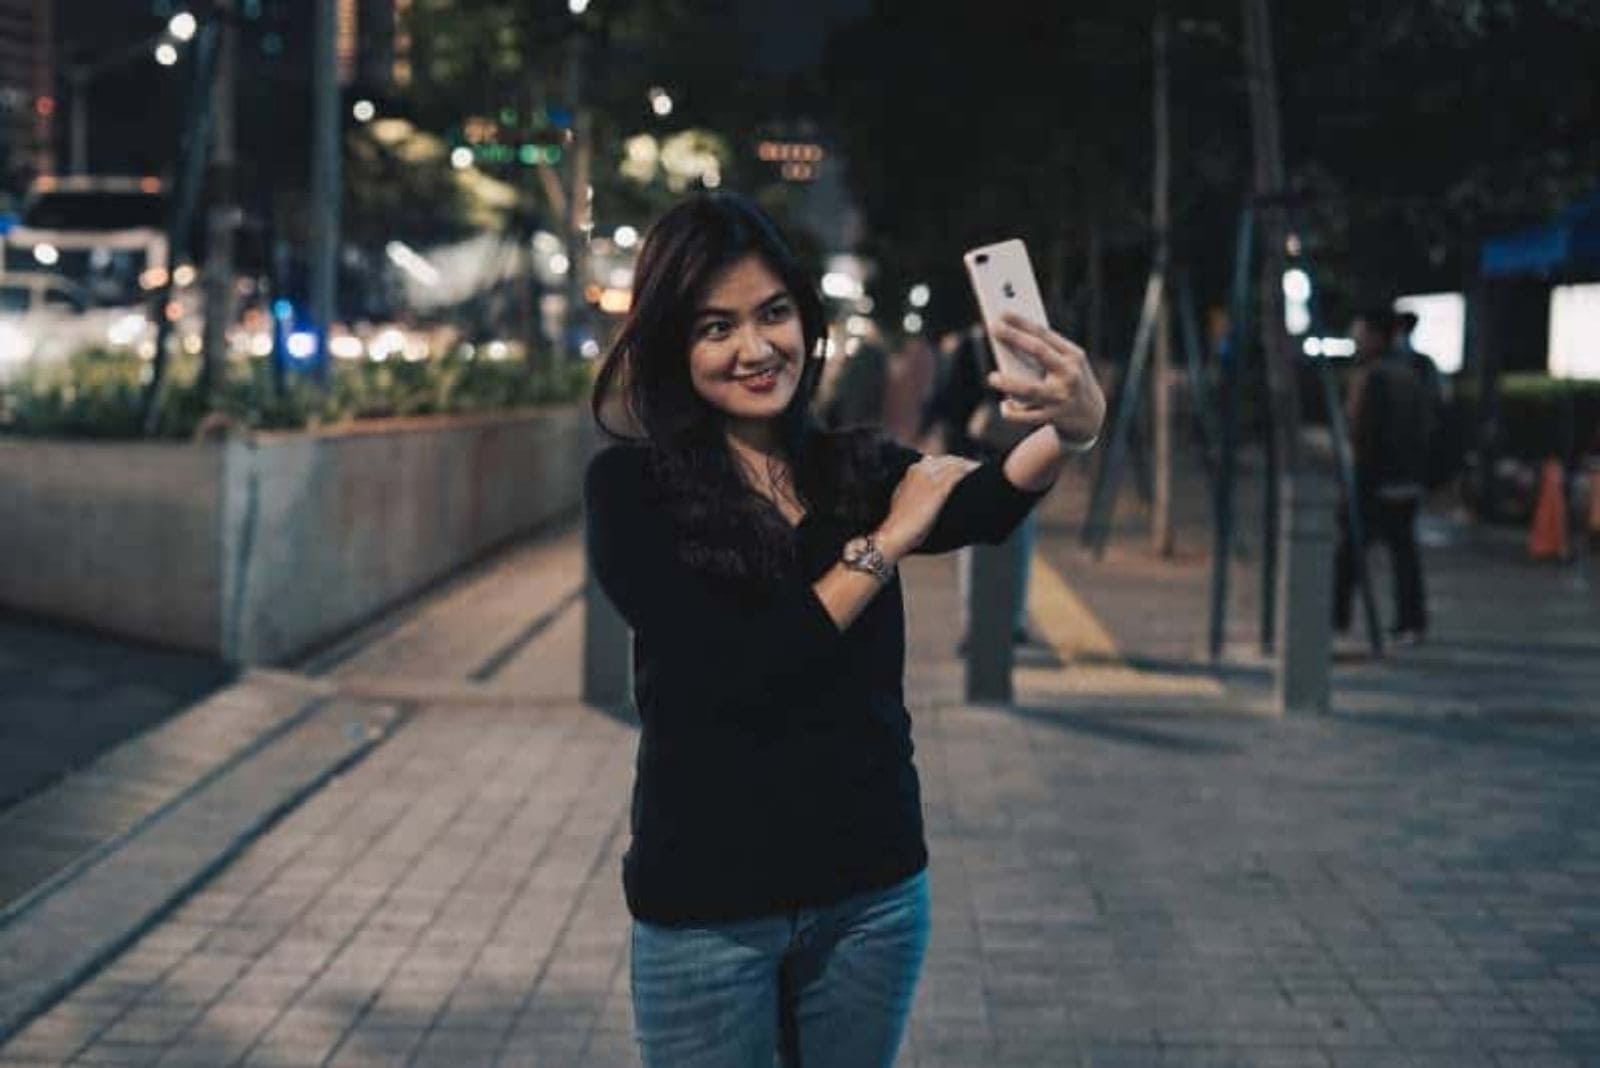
[{"x": 774, "y": 765}]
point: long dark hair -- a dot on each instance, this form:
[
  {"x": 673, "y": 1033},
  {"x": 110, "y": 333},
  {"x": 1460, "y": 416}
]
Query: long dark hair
[{"x": 725, "y": 527}]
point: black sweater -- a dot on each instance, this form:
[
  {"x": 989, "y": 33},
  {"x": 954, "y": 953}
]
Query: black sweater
[{"x": 774, "y": 764}]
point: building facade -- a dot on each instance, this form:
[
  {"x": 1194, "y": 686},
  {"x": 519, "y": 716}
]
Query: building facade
[{"x": 28, "y": 103}]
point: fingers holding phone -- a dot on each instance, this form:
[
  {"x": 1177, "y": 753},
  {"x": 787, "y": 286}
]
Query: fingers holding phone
[{"x": 1045, "y": 377}]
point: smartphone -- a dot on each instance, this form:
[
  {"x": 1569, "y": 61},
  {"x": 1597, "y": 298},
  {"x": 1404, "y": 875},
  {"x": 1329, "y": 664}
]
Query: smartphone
[{"x": 1002, "y": 280}]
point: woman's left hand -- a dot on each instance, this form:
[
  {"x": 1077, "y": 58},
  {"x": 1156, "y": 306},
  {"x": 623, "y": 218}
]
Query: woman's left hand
[{"x": 1067, "y": 397}]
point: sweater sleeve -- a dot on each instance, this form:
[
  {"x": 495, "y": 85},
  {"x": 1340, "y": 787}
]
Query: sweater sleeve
[
  {"x": 711, "y": 646},
  {"x": 984, "y": 507}
]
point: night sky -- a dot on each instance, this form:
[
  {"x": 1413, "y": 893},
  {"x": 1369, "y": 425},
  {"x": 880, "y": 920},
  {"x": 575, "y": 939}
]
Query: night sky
[{"x": 787, "y": 35}]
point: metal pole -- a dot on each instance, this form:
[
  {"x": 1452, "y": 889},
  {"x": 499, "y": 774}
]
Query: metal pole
[
  {"x": 325, "y": 179},
  {"x": 191, "y": 158},
  {"x": 1232, "y": 353},
  {"x": 577, "y": 166},
  {"x": 991, "y": 606},
  {"x": 1203, "y": 421},
  {"x": 78, "y": 86},
  {"x": 223, "y": 217},
  {"x": 1277, "y": 349},
  {"x": 1162, "y": 535},
  {"x": 1303, "y": 683},
  {"x": 1103, "y": 495},
  {"x": 1271, "y": 499}
]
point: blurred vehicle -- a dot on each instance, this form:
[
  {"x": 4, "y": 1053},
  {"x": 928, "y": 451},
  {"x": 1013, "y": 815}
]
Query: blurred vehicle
[
  {"x": 44, "y": 318},
  {"x": 106, "y": 234}
]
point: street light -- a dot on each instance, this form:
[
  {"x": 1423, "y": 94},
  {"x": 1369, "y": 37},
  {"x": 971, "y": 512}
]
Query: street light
[
  {"x": 577, "y": 7},
  {"x": 660, "y": 102},
  {"x": 166, "y": 53},
  {"x": 183, "y": 26},
  {"x": 364, "y": 110}
]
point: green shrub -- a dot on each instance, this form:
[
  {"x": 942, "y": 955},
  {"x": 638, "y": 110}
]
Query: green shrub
[
  {"x": 96, "y": 394},
  {"x": 1541, "y": 416}
]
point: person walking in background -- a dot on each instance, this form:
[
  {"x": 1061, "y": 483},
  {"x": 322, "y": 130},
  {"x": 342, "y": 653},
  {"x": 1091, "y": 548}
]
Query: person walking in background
[
  {"x": 776, "y": 874},
  {"x": 853, "y": 395},
  {"x": 965, "y": 414},
  {"x": 908, "y": 391},
  {"x": 1387, "y": 414},
  {"x": 1439, "y": 447}
]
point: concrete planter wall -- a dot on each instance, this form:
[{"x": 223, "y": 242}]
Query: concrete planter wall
[{"x": 264, "y": 546}]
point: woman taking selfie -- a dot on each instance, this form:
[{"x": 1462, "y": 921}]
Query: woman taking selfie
[{"x": 777, "y": 870}]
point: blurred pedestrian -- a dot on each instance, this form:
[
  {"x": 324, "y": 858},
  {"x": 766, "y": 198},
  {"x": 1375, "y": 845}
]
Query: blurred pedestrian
[
  {"x": 1438, "y": 446},
  {"x": 853, "y": 396},
  {"x": 966, "y": 414},
  {"x": 777, "y": 870},
  {"x": 1386, "y": 411},
  {"x": 908, "y": 391}
]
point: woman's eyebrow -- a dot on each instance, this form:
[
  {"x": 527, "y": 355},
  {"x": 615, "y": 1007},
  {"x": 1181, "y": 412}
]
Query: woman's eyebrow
[{"x": 782, "y": 294}]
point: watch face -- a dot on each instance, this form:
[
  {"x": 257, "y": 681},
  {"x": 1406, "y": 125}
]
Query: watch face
[{"x": 855, "y": 549}]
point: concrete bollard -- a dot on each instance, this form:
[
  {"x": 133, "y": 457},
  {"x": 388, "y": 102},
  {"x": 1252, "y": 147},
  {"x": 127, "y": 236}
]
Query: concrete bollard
[
  {"x": 1305, "y": 595},
  {"x": 992, "y": 596}
]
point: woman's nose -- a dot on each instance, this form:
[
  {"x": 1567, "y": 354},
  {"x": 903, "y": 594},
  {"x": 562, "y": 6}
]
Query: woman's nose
[{"x": 753, "y": 345}]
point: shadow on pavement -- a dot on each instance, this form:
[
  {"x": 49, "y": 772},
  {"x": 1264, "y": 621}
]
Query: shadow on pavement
[
  {"x": 1575, "y": 737},
  {"x": 1118, "y": 730}
]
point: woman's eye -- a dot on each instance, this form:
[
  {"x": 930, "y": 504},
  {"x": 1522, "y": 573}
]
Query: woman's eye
[
  {"x": 715, "y": 330},
  {"x": 777, "y": 313}
]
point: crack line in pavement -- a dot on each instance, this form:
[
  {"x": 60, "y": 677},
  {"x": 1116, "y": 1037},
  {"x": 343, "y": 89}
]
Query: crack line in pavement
[{"x": 490, "y": 667}]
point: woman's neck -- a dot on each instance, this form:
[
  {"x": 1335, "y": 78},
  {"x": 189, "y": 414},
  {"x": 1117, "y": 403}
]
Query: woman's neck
[{"x": 755, "y": 443}]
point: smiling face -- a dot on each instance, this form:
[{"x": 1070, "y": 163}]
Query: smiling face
[{"x": 747, "y": 347}]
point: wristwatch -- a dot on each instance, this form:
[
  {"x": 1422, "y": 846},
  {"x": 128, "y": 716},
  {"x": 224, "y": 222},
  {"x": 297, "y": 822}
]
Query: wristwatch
[{"x": 862, "y": 554}]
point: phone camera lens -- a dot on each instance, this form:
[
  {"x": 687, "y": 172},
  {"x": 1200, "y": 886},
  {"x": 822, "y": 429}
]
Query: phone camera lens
[{"x": 983, "y": 257}]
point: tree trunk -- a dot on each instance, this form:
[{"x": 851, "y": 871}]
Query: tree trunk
[
  {"x": 325, "y": 180},
  {"x": 222, "y": 217},
  {"x": 1277, "y": 347}
]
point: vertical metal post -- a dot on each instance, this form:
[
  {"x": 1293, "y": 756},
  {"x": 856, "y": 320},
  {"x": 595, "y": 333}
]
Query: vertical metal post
[
  {"x": 1233, "y": 351},
  {"x": 185, "y": 195},
  {"x": 1108, "y": 478},
  {"x": 1304, "y": 611},
  {"x": 222, "y": 218},
  {"x": 1162, "y": 533},
  {"x": 1203, "y": 420},
  {"x": 991, "y": 606},
  {"x": 577, "y": 166},
  {"x": 78, "y": 86}
]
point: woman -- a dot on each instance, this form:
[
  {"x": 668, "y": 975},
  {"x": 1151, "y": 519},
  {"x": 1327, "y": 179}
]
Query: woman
[{"x": 776, "y": 876}]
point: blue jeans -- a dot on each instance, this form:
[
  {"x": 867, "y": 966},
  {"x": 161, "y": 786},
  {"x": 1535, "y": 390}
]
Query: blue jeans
[{"x": 827, "y": 987}]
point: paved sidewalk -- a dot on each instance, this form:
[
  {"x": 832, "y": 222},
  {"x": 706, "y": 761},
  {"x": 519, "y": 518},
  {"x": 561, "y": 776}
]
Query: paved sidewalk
[
  {"x": 70, "y": 695},
  {"x": 1384, "y": 886}
]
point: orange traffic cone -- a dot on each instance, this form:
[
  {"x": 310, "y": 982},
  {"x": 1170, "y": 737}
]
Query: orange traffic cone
[{"x": 1547, "y": 537}]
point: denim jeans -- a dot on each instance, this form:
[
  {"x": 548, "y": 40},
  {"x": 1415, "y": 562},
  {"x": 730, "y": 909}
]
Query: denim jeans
[{"x": 827, "y": 987}]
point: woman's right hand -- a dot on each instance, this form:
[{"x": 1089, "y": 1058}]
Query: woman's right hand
[{"x": 917, "y": 501}]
